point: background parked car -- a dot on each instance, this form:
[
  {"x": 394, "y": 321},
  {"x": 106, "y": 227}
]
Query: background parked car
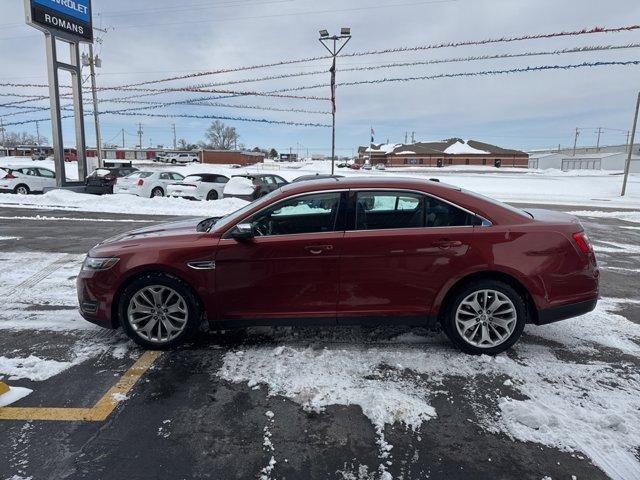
[
  {"x": 25, "y": 180},
  {"x": 147, "y": 184},
  {"x": 181, "y": 158},
  {"x": 102, "y": 180},
  {"x": 355, "y": 166},
  {"x": 201, "y": 186},
  {"x": 257, "y": 186}
]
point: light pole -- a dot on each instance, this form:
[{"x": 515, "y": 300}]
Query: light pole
[
  {"x": 345, "y": 34},
  {"x": 92, "y": 61}
]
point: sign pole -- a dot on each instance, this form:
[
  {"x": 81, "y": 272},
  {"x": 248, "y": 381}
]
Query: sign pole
[
  {"x": 56, "y": 120},
  {"x": 76, "y": 82}
]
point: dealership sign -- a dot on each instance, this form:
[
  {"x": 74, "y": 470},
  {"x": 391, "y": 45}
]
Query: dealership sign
[{"x": 66, "y": 18}]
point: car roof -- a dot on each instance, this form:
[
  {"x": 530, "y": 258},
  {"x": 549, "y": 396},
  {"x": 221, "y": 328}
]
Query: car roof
[{"x": 478, "y": 204}]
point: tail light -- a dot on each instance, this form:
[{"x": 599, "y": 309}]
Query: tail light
[
  {"x": 140, "y": 182},
  {"x": 10, "y": 176},
  {"x": 582, "y": 240}
]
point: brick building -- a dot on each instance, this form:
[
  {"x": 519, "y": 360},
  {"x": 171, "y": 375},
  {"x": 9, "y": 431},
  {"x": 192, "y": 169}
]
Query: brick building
[
  {"x": 453, "y": 151},
  {"x": 237, "y": 157}
]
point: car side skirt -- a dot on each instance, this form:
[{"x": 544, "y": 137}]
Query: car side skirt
[
  {"x": 555, "y": 314},
  {"x": 426, "y": 321}
]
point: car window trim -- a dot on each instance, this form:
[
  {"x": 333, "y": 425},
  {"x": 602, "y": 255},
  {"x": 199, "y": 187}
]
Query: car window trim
[
  {"x": 351, "y": 219},
  {"x": 225, "y": 234}
]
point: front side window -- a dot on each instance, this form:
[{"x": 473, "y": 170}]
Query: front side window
[
  {"x": 393, "y": 210},
  {"x": 314, "y": 213},
  {"x": 47, "y": 173}
]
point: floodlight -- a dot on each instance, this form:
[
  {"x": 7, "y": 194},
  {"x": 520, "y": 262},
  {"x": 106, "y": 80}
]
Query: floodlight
[
  {"x": 324, "y": 33},
  {"x": 345, "y": 31}
]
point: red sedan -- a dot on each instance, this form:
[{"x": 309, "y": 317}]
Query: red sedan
[{"x": 344, "y": 251}]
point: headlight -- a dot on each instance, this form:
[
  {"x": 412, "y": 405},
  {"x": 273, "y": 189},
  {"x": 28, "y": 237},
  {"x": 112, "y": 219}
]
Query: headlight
[{"x": 97, "y": 264}]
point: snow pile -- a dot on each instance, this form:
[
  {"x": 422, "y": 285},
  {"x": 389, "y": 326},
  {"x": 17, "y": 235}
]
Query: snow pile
[
  {"x": 239, "y": 186},
  {"x": 38, "y": 369},
  {"x": 462, "y": 148},
  {"x": 587, "y": 405},
  {"x": 66, "y": 200},
  {"x": 13, "y": 395}
]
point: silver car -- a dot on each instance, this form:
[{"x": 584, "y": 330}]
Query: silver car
[{"x": 147, "y": 184}]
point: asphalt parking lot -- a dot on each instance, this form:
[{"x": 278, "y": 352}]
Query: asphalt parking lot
[{"x": 235, "y": 405}]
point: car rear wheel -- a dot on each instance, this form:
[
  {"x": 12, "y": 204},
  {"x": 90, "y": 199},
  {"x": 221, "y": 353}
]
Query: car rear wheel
[
  {"x": 159, "y": 311},
  {"x": 485, "y": 317},
  {"x": 212, "y": 195},
  {"x": 157, "y": 192},
  {"x": 174, "y": 161},
  {"x": 21, "y": 189}
]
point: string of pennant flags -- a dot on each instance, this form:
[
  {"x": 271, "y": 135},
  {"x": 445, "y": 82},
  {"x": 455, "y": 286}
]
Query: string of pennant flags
[{"x": 143, "y": 89}]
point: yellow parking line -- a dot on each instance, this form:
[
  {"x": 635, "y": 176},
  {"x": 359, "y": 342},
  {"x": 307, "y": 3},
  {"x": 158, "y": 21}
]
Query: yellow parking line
[{"x": 99, "y": 412}]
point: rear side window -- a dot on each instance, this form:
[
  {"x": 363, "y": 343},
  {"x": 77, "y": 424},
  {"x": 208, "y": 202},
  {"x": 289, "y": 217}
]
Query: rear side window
[
  {"x": 46, "y": 173},
  {"x": 393, "y": 210}
]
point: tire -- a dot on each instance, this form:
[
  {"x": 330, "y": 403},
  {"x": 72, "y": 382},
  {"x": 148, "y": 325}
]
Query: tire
[
  {"x": 485, "y": 333},
  {"x": 157, "y": 192},
  {"x": 188, "y": 311},
  {"x": 212, "y": 195},
  {"x": 174, "y": 161},
  {"x": 22, "y": 189}
]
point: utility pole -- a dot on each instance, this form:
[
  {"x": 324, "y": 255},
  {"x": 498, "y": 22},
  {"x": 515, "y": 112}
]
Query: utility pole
[
  {"x": 575, "y": 141},
  {"x": 38, "y": 132},
  {"x": 140, "y": 132},
  {"x": 405, "y": 137},
  {"x": 173, "y": 126},
  {"x": 627, "y": 165},
  {"x": 123, "y": 145},
  {"x": 413, "y": 137},
  {"x": 92, "y": 62},
  {"x": 345, "y": 34},
  {"x": 2, "y": 131},
  {"x": 628, "y": 133},
  {"x": 598, "y": 142}
]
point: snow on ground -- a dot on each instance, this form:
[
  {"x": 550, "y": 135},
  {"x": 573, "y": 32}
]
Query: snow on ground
[
  {"x": 588, "y": 188},
  {"x": 633, "y": 217},
  {"x": 582, "y": 405},
  {"x": 12, "y": 396}
]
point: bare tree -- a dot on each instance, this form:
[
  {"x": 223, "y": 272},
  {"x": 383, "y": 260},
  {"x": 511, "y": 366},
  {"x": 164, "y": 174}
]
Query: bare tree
[
  {"x": 24, "y": 138},
  {"x": 221, "y": 137}
]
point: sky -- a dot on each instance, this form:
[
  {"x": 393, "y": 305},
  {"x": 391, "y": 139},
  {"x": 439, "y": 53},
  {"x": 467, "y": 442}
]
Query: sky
[{"x": 155, "y": 39}]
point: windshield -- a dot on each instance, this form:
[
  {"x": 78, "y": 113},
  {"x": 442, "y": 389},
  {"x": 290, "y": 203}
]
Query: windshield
[
  {"x": 192, "y": 178},
  {"x": 230, "y": 219}
]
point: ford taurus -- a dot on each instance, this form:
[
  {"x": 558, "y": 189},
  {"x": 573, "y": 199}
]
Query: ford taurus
[{"x": 347, "y": 251}]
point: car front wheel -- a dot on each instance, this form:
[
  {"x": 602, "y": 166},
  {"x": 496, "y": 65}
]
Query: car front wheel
[
  {"x": 157, "y": 192},
  {"x": 159, "y": 311},
  {"x": 485, "y": 317}
]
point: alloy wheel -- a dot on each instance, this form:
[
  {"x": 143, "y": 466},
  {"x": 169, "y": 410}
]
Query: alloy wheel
[
  {"x": 157, "y": 313},
  {"x": 486, "y": 318}
]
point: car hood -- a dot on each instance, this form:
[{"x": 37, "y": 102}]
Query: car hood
[{"x": 167, "y": 229}]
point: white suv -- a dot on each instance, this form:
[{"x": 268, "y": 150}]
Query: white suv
[
  {"x": 25, "y": 180},
  {"x": 182, "y": 158}
]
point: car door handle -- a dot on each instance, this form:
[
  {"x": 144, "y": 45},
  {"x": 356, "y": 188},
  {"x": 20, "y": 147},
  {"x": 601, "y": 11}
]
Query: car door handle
[
  {"x": 446, "y": 243},
  {"x": 318, "y": 249}
]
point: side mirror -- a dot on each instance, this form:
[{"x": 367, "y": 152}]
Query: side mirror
[{"x": 242, "y": 231}]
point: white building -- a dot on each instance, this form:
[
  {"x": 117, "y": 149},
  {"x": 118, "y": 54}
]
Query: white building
[{"x": 585, "y": 161}]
